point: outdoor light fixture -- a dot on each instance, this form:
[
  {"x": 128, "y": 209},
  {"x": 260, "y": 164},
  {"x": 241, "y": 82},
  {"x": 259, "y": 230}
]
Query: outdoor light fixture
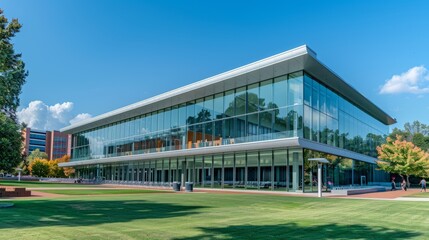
[{"x": 319, "y": 161}]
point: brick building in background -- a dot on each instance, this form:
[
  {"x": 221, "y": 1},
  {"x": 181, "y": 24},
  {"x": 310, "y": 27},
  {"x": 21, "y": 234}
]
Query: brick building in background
[{"x": 53, "y": 143}]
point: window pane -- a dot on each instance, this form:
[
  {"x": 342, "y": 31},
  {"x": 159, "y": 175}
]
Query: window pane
[
  {"x": 208, "y": 107},
  {"x": 295, "y": 87},
  {"x": 218, "y": 106},
  {"x": 266, "y": 95},
  {"x": 229, "y": 104},
  {"x": 240, "y": 101},
  {"x": 280, "y": 92},
  {"x": 253, "y": 98},
  {"x": 199, "y": 106}
]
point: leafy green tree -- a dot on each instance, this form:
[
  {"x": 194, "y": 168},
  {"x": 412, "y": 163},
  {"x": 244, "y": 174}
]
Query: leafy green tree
[
  {"x": 421, "y": 141},
  {"x": 415, "y": 132},
  {"x": 10, "y": 144},
  {"x": 403, "y": 158},
  {"x": 40, "y": 168},
  {"x": 12, "y": 68},
  {"x": 37, "y": 154},
  {"x": 12, "y": 77}
]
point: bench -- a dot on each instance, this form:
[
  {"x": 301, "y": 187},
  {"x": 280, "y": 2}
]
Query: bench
[
  {"x": 354, "y": 191},
  {"x": 14, "y": 192}
]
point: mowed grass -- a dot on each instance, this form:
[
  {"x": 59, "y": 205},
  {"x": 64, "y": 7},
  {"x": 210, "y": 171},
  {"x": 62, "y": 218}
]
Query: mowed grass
[
  {"x": 211, "y": 216},
  {"x": 34, "y": 184},
  {"x": 419, "y": 195},
  {"x": 101, "y": 191}
]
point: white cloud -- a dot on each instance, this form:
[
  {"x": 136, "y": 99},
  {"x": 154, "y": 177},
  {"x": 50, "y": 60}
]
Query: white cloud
[
  {"x": 414, "y": 81},
  {"x": 39, "y": 115},
  {"x": 80, "y": 117}
]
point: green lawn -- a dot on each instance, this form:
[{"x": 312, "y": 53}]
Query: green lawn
[
  {"x": 101, "y": 191},
  {"x": 211, "y": 216},
  {"x": 419, "y": 195},
  {"x": 31, "y": 184}
]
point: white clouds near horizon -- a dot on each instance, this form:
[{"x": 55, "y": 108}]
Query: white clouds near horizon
[
  {"x": 39, "y": 115},
  {"x": 415, "y": 81}
]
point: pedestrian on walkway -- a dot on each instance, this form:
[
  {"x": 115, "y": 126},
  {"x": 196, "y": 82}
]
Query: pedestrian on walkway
[
  {"x": 404, "y": 185},
  {"x": 393, "y": 185},
  {"x": 423, "y": 184}
]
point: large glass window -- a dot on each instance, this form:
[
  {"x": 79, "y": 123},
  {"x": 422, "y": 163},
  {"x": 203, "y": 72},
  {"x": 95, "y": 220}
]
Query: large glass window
[
  {"x": 228, "y": 170},
  {"x": 293, "y": 105},
  {"x": 330, "y": 119},
  {"x": 266, "y": 167},
  {"x": 229, "y": 104},
  {"x": 295, "y": 88},
  {"x": 240, "y": 170},
  {"x": 266, "y": 95},
  {"x": 240, "y": 101},
  {"x": 280, "y": 92},
  {"x": 218, "y": 106},
  {"x": 253, "y": 98},
  {"x": 252, "y": 170}
]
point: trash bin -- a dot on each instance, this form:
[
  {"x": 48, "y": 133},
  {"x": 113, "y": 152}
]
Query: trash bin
[
  {"x": 189, "y": 186},
  {"x": 176, "y": 186}
]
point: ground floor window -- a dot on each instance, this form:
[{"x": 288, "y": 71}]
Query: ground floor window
[
  {"x": 274, "y": 169},
  {"x": 340, "y": 172}
]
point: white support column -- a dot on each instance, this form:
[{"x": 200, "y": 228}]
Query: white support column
[
  {"x": 295, "y": 171},
  {"x": 319, "y": 179}
]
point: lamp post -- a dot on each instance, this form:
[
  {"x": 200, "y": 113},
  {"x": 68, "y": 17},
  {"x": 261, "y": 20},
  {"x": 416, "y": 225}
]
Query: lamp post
[
  {"x": 19, "y": 173},
  {"x": 319, "y": 161}
]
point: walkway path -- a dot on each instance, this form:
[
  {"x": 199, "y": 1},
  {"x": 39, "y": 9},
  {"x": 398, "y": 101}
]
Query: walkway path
[{"x": 398, "y": 195}]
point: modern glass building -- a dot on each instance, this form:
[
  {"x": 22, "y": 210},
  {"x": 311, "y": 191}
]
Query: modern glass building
[
  {"x": 254, "y": 127},
  {"x": 33, "y": 139}
]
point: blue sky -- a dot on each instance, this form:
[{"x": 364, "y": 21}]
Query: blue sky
[{"x": 93, "y": 56}]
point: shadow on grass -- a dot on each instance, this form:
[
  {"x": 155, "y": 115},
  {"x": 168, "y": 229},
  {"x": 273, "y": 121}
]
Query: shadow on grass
[
  {"x": 39, "y": 213},
  {"x": 294, "y": 231}
]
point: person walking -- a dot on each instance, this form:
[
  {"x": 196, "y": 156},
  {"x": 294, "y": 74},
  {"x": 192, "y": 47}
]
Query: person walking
[
  {"x": 404, "y": 185},
  {"x": 423, "y": 184},
  {"x": 393, "y": 185}
]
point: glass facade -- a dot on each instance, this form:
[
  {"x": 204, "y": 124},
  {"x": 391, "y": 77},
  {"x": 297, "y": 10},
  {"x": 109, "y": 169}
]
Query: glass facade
[
  {"x": 332, "y": 120},
  {"x": 276, "y": 169},
  {"x": 37, "y": 140},
  {"x": 293, "y": 105},
  {"x": 270, "y": 109}
]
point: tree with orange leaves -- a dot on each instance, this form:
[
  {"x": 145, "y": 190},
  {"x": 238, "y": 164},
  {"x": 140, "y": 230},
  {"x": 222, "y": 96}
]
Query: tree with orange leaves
[
  {"x": 68, "y": 171},
  {"x": 403, "y": 158}
]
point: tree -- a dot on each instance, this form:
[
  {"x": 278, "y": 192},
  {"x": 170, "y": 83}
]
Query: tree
[
  {"x": 415, "y": 132},
  {"x": 49, "y": 168},
  {"x": 12, "y": 77},
  {"x": 403, "y": 158},
  {"x": 12, "y": 68},
  {"x": 421, "y": 141},
  {"x": 30, "y": 158},
  {"x": 39, "y": 167},
  {"x": 54, "y": 170},
  {"x": 68, "y": 171},
  {"x": 37, "y": 154},
  {"x": 10, "y": 144}
]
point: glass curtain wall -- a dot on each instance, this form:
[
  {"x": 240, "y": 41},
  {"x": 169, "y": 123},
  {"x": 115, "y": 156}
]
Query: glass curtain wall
[
  {"x": 270, "y": 109},
  {"x": 332, "y": 120}
]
